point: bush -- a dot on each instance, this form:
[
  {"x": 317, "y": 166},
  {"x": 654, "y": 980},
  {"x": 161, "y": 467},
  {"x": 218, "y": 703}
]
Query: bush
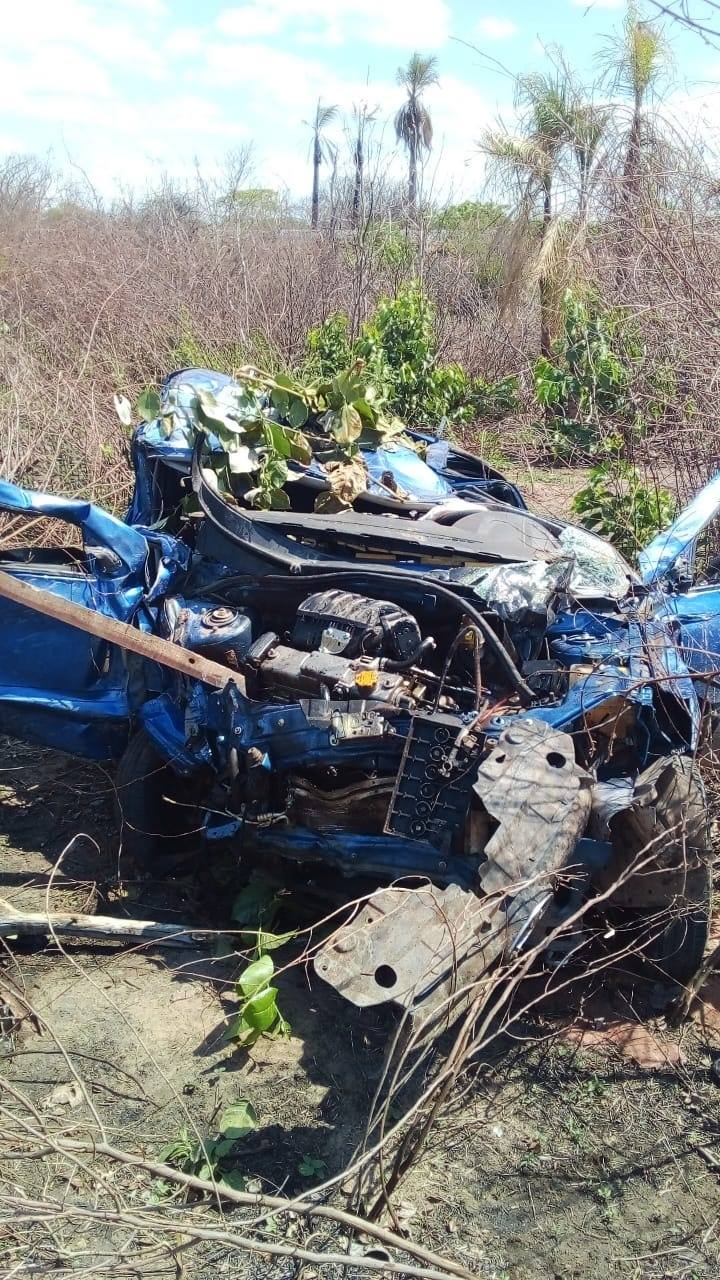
[
  {"x": 399, "y": 348},
  {"x": 617, "y": 504},
  {"x": 329, "y": 347},
  {"x": 590, "y": 375}
]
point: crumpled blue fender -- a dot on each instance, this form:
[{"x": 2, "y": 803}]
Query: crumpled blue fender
[
  {"x": 99, "y": 527},
  {"x": 661, "y": 555}
]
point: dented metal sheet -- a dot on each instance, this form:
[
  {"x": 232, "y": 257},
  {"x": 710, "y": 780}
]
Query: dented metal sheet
[
  {"x": 422, "y": 946},
  {"x": 417, "y": 947},
  {"x": 541, "y": 798}
]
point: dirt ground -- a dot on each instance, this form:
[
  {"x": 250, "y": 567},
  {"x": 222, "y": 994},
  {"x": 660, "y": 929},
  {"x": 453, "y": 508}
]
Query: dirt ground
[{"x": 564, "y": 1157}]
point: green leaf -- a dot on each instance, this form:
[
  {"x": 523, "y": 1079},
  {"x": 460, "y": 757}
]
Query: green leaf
[
  {"x": 272, "y": 941},
  {"x": 148, "y": 405},
  {"x": 256, "y": 977},
  {"x": 241, "y": 1031},
  {"x": 276, "y": 438},
  {"x": 282, "y": 1029},
  {"x": 349, "y": 427},
  {"x": 256, "y": 904},
  {"x": 367, "y": 410},
  {"x": 300, "y": 450},
  {"x": 281, "y": 402},
  {"x": 279, "y": 500},
  {"x": 216, "y": 417},
  {"x": 237, "y": 1120},
  {"x": 260, "y": 1012},
  {"x": 297, "y": 414},
  {"x": 234, "y": 1180},
  {"x": 311, "y": 1167}
]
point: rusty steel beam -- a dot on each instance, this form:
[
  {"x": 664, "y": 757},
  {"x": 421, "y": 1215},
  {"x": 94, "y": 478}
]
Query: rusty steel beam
[{"x": 155, "y": 648}]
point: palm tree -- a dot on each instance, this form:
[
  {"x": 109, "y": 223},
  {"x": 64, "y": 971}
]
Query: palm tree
[
  {"x": 363, "y": 118},
  {"x": 641, "y": 56},
  {"x": 588, "y": 129},
  {"x": 531, "y": 163},
  {"x": 413, "y": 126},
  {"x": 322, "y": 149}
]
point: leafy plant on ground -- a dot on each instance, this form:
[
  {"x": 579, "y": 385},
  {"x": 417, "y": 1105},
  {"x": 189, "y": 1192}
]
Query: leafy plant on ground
[
  {"x": 617, "y": 504},
  {"x": 589, "y": 377},
  {"x": 312, "y": 1167},
  {"x": 258, "y": 1014},
  {"x": 329, "y": 346},
  {"x": 255, "y": 909},
  {"x": 400, "y": 346},
  {"x": 213, "y": 1158}
]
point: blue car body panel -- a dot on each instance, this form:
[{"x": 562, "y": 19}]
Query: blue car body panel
[
  {"x": 58, "y": 685},
  {"x": 661, "y": 556}
]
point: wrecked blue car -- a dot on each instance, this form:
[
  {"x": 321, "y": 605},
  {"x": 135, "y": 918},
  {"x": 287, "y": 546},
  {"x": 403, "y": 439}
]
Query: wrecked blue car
[{"x": 486, "y": 716}]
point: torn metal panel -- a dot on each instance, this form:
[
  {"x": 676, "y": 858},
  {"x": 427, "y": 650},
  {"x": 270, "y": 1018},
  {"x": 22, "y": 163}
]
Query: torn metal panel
[
  {"x": 417, "y": 947},
  {"x": 541, "y": 798}
]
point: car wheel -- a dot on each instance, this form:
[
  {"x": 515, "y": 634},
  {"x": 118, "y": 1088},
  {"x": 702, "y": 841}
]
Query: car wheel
[
  {"x": 661, "y": 913},
  {"x": 158, "y": 810}
]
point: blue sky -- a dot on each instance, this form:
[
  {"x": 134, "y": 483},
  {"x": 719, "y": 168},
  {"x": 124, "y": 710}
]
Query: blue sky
[{"x": 128, "y": 89}]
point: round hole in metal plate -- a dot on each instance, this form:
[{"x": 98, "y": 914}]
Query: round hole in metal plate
[
  {"x": 556, "y": 759},
  {"x": 385, "y": 976},
  {"x": 499, "y": 758}
]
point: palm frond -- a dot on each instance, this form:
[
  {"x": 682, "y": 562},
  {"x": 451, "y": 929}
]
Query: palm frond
[
  {"x": 324, "y": 116},
  {"x": 516, "y": 156},
  {"x": 419, "y": 74},
  {"x": 639, "y": 57},
  {"x": 414, "y": 126},
  {"x": 589, "y": 126}
]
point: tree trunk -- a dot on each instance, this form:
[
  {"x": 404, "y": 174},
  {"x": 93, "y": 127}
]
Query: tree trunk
[
  {"x": 357, "y": 188},
  {"x": 631, "y": 169},
  {"x": 584, "y": 182},
  {"x": 412, "y": 176},
  {"x": 544, "y": 283},
  {"x": 629, "y": 192},
  {"x": 317, "y": 159}
]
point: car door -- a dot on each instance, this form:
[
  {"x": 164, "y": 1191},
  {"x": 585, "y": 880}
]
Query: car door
[
  {"x": 60, "y": 686},
  {"x": 682, "y": 566}
]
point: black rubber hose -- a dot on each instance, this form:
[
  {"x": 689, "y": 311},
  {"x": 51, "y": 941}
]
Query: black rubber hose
[
  {"x": 463, "y": 606},
  {"x": 403, "y": 664}
]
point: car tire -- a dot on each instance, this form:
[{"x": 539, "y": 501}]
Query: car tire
[
  {"x": 666, "y": 911},
  {"x": 158, "y": 810}
]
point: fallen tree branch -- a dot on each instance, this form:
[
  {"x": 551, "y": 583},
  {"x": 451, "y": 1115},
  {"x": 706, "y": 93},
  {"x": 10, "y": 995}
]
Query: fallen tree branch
[
  {"x": 271, "y": 1204},
  {"x": 36, "y": 1211},
  {"x": 79, "y": 925}
]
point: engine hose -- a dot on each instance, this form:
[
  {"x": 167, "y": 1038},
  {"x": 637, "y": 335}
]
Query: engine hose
[
  {"x": 402, "y": 664},
  {"x": 459, "y": 603}
]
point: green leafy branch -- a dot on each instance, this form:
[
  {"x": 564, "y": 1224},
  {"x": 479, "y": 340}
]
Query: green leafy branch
[{"x": 263, "y": 423}]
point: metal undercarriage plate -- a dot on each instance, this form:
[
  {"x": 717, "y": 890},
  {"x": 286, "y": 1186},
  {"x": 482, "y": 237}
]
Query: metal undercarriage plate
[{"x": 422, "y": 947}]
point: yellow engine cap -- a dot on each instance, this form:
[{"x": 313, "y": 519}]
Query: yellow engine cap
[{"x": 366, "y": 679}]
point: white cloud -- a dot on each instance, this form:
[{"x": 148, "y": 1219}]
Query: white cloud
[
  {"x": 599, "y": 4},
  {"x": 422, "y": 24},
  {"x": 128, "y": 89},
  {"x": 497, "y": 28}
]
